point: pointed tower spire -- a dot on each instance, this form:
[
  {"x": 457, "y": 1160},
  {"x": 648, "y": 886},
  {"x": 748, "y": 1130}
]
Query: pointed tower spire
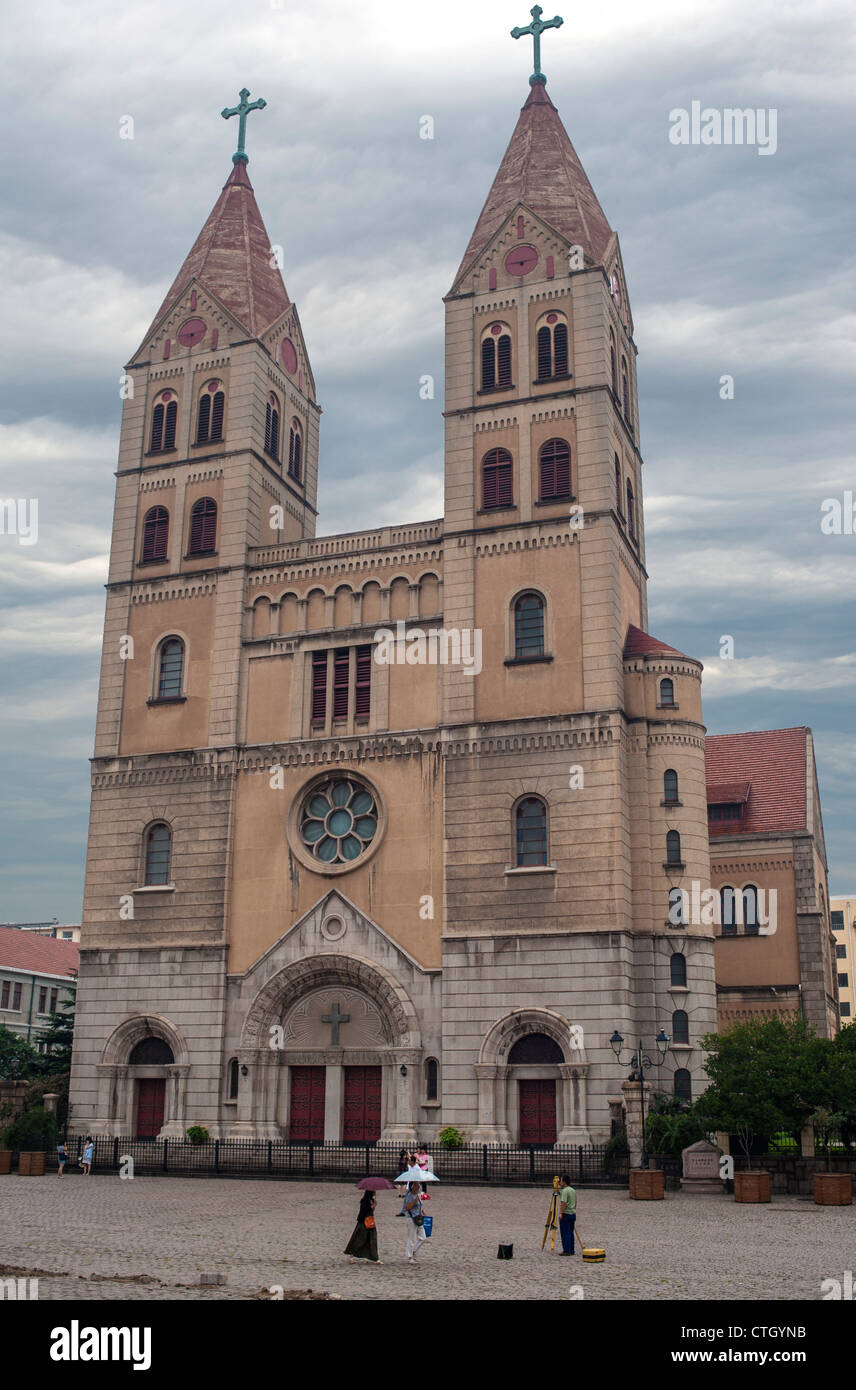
[
  {"x": 232, "y": 257},
  {"x": 542, "y": 170}
]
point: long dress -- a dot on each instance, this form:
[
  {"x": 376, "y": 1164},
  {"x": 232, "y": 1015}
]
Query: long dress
[{"x": 363, "y": 1242}]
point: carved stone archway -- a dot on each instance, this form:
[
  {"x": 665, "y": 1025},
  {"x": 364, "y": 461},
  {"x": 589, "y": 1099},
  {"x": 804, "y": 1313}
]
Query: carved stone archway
[
  {"x": 115, "y": 1107},
  {"x": 497, "y": 1078}
]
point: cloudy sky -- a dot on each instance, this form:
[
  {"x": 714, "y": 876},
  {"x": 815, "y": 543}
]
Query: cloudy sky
[{"x": 737, "y": 263}]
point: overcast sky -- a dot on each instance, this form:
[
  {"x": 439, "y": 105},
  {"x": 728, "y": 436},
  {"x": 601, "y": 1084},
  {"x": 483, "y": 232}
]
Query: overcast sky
[{"x": 737, "y": 263}]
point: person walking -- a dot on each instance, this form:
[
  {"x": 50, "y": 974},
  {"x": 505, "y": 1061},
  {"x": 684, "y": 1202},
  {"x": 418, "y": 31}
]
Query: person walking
[
  {"x": 62, "y": 1158},
  {"x": 567, "y": 1215},
  {"x": 88, "y": 1155},
  {"x": 405, "y": 1160},
  {"x": 414, "y": 1221},
  {"x": 423, "y": 1161},
  {"x": 363, "y": 1242}
]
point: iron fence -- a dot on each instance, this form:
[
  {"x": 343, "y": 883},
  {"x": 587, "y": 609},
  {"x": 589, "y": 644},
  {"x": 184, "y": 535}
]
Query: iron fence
[{"x": 587, "y": 1164}]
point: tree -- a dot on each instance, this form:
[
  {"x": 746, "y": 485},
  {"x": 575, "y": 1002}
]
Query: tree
[
  {"x": 58, "y": 1034},
  {"x": 18, "y": 1060}
]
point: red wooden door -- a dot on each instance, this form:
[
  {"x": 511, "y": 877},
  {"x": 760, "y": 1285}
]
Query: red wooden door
[
  {"x": 537, "y": 1112},
  {"x": 362, "y": 1105},
  {"x": 307, "y": 1103},
  {"x": 150, "y": 1102}
]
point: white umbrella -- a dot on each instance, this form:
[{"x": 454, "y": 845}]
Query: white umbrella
[{"x": 416, "y": 1175}]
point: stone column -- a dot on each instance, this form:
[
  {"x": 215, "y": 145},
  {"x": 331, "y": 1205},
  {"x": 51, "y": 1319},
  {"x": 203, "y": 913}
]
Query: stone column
[
  {"x": 573, "y": 1084},
  {"x": 175, "y": 1109},
  {"x": 489, "y": 1129},
  {"x": 49, "y": 1100},
  {"x": 334, "y": 1087},
  {"x": 245, "y": 1127},
  {"x": 633, "y": 1107},
  {"x": 111, "y": 1093},
  {"x": 267, "y": 1078},
  {"x": 400, "y": 1101}
]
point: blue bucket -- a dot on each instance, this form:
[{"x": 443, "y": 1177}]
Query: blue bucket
[{"x": 428, "y": 1225}]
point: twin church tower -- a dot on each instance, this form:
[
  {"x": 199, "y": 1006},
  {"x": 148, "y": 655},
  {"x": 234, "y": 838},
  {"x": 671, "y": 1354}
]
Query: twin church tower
[{"x": 329, "y": 896}]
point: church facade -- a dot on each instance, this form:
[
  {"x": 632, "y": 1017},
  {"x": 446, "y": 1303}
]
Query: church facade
[{"x": 386, "y": 827}]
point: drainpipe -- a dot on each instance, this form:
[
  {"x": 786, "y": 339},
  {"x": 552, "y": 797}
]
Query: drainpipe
[{"x": 32, "y": 998}]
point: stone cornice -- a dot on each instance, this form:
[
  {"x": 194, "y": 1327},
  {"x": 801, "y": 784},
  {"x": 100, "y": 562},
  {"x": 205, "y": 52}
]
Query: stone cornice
[{"x": 335, "y": 567}]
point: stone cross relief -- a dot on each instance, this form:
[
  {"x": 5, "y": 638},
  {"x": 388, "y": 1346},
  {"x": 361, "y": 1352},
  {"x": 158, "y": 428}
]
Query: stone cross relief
[{"x": 334, "y": 1018}]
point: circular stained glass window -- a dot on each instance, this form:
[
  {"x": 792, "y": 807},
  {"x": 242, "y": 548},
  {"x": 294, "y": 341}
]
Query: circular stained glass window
[{"x": 338, "y": 821}]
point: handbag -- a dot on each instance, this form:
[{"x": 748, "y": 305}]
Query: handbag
[
  {"x": 369, "y": 1223},
  {"x": 418, "y": 1220}
]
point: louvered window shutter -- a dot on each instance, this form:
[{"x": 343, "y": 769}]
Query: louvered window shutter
[
  {"x": 274, "y": 433},
  {"x": 503, "y": 351},
  {"x": 545, "y": 354},
  {"x": 555, "y": 469},
  {"x": 560, "y": 348},
  {"x": 203, "y": 421},
  {"x": 488, "y": 359},
  {"x": 203, "y": 526},
  {"x": 169, "y": 426},
  {"x": 268, "y": 414},
  {"x": 157, "y": 429},
  {"x": 319, "y": 687},
  {"x": 217, "y": 416},
  {"x": 362, "y": 697},
  {"x": 341, "y": 676},
  {"x": 496, "y": 479},
  {"x": 155, "y": 534}
]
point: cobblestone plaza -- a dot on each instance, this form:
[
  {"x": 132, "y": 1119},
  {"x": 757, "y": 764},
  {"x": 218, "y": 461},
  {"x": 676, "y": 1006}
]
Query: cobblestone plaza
[{"x": 103, "y": 1237}]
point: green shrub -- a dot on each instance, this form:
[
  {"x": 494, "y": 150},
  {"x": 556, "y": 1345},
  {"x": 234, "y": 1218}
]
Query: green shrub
[
  {"x": 451, "y": 1138},
  {"x": 616, "y": 1151},
  {"x": 198, "y": 1134},
  {"x": 672, "y": 1133},
  {"x": 33, "y": 1131}
]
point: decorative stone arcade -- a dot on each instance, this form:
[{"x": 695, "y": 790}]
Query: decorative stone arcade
[
  {"x": 530, "y": 1046},
  {"x": 330, "y": 1050}
]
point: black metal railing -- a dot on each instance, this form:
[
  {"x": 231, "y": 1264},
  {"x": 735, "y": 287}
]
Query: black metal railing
[{"x": 587, "y": 1164}]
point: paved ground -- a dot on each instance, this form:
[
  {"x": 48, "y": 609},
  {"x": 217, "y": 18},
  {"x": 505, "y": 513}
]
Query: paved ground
[{"x": 83, "y": 1237}]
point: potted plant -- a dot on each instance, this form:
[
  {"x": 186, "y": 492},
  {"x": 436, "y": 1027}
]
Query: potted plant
[
  {"x": 830, "y": 1189},
  {"x": 198, "y": 1134},
  {"x": 451, "y": 1138},
  {"x": 31, "y": 1134}
]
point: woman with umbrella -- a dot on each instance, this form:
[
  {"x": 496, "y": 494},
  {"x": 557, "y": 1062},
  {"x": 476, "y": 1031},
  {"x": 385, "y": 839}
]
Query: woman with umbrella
[{"x": 363, "y": 1242}]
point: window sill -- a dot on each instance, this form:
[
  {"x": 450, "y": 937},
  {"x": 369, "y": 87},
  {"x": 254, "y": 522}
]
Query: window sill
[
  {"x": 168, "y": 700},
  {"x": 154, "y": 888},
  {"x": 530, "y": 869},
  {"x": 293, "y": 477},
  {"x": 157, "y": 453},
  {"x": 672, "y": 804},
  {"x": 492, "y": 390},
  {"x": 548, "y": 380},
  {"x": 551, "y": 501},
  {"x": 490, "y": 511},
  {"x": 431, "y": 1104},
  {"x": 679, "y": 989},
  {"x": 526, "y": 660},
  {"x": 231, "y": 1101},
  {"x": 206, "y": 443},
  {"x": 199, "y": 554},
  {"x": 674, "y": 868},
  {"x": 668, "y": 707},
  {"x": 164, "y": 561},
  {"x": 272, "y": 457},
  {"x": 681, "y": 1047}
]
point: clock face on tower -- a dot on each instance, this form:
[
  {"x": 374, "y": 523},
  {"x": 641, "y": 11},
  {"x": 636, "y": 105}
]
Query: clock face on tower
[
  {"x": 191, "y": 332},
  {"x": 521, "y": 260}
]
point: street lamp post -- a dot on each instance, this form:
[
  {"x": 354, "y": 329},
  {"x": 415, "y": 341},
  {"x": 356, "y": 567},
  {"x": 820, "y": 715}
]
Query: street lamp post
[{"x": 640, "y": 1063}]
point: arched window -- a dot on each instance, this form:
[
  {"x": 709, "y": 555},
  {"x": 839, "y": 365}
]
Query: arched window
[
  {"x": 728, "y": 910},
  {"x": 619, "y": 499},
  {"x": 673, "y": 847},
  {"x": 531, "y": 828},
  {"x": 680, "y": 1026},
  {"x": 171, "y": 669},
  {"x": 676, "y": 907},
  {"x": 678, "y": 973},
  {"x": 497, "y": 479},
  {"x": 670, "y": 785},
  {"x": 164, "y": 417},
  {"x": 625, "y": 390},
  {"x": 667, "y": 692},
  {"x": 432, "y": 1072},
  {"x": 233, "y": 1079},
  {"x": 535, "y": 1048},
  {"x": 295, "y": 450},
  {"x": 613, "y": 369},
  {"x": 555, "y": 469},
  {"x": 750, "y": 910},
  {"x": 155, "y": 534},
  {"x": 552, "y": 349},
  {"x": 683, "y": 1085},
  {"x": 209, "y": 418},
  {"x": 158, "y": 854},
  {"x": 151, "y": 1052},
  {"x": 272, "y": 427},
  {"x": 496, "y": 358},
  {"x": 631, "y": 517},
  {"x": 203, "y": 527},
  {"x": 529, "y": 626}
]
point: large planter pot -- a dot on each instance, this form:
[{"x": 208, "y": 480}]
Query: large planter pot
[
  {"x": 752, "y": 1186},
  {"x": 31, "y": 1164},
  {"x": 646, "y": 1184},
  {"x": 830, "y": 1189},
  {"x": 5, "y": 1160}
]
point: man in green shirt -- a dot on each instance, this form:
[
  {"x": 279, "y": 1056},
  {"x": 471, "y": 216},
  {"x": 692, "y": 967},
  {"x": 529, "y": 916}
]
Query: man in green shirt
[{"x": 567, "y": 1214}]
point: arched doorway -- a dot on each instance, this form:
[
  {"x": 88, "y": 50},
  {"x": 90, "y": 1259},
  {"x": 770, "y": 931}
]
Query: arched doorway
[
  {"x": 142, "y": 1080},
  {"x": 536, "y": 1095},
  {"x": 147, "y": 1064},
  {"x": 532, "y": 1076}
]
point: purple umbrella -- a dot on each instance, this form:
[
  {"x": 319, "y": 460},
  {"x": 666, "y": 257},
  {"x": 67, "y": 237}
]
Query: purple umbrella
[{"x": 374, "y": 1185}]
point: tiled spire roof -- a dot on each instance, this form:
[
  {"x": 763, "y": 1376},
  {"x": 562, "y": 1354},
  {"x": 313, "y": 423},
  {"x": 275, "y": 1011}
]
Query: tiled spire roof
[
  {"x": 541, "y": 169},
  {"x": 639, "y": 643},
  {"x": 232, "y": 257}
]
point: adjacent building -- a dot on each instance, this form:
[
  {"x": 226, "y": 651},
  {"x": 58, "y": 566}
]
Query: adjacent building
[
  {"x": 35, "y": 973},
  {"x": 843, "y": 919}
]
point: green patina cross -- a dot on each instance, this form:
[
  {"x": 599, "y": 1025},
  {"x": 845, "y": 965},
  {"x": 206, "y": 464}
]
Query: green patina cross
[
  {"x": 242, "y": 110},
  {"x": 536, "y": 28}
]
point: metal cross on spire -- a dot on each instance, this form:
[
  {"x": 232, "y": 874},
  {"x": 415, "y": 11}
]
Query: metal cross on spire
[
  {"x": 242, "y": 110},
  {"x": 536, "y": 28}
]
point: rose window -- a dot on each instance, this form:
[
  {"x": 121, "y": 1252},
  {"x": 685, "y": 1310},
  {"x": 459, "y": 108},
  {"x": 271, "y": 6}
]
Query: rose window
[{"x": 338, "y": 821}]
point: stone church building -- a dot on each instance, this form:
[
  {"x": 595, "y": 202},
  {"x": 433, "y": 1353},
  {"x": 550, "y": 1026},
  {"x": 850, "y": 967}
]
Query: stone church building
[{"x": 386, "y": 826}]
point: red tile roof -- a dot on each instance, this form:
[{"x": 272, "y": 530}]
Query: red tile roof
[
  {"x": 773, "y": 761},
  {"x": 639, "y": 643},
  {"x": 727, "y": 793},
  {"x": 542, "y": 170},
  {"x": 231, "y": 257},
  {"x": 26, "y": 950}
]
